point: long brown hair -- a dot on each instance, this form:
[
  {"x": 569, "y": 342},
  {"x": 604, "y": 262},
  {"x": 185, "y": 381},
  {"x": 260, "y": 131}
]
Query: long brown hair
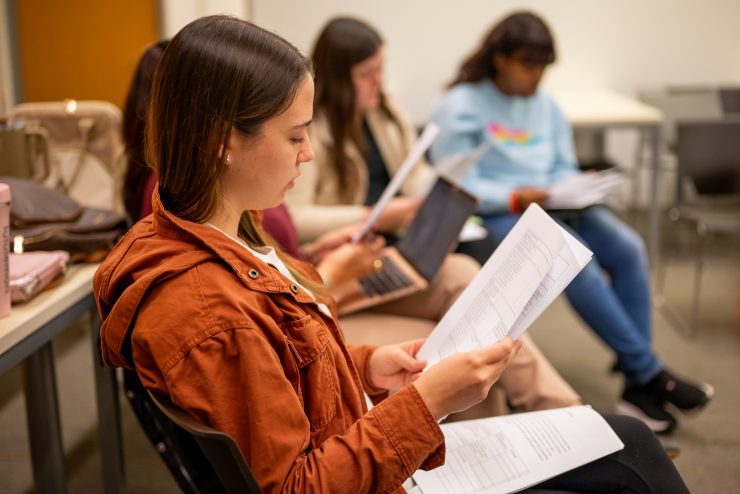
[
  {"x": 520, "y": 32},
  {"x": 134, "y": 123},
  {"x": 217, "y": 73},
  {"x": 343, "y": 43}
]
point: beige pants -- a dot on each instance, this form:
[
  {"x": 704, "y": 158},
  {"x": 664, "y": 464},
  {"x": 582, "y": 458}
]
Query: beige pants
[{"x": 529, "y": 382}]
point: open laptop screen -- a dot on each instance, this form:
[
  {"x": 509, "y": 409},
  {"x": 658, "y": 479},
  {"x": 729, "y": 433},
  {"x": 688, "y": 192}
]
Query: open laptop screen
[{"x": 436, "y": 227}]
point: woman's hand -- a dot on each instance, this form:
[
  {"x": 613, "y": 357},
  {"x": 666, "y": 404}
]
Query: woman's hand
[
  {"x": 464, "y": 379},
  {"x": 329, "y": 241},
  {"x": 394, "y": 366},
  {"x": 528, "y": 195},
  {"x": 398, "y": 213},
  {"x": 350, "y": 261}
]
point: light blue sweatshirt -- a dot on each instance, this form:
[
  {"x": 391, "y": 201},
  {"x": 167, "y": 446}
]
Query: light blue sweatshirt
[{"x": 532, "y": 142}]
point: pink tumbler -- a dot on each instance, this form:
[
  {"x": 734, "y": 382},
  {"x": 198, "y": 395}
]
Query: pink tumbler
[{"x": 5, "y": 239}]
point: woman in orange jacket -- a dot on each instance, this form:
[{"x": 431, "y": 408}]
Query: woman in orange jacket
[{"x": 244, "y": 339}]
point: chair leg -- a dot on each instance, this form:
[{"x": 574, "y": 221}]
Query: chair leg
[
  {"x": 698, "y": 272},
  {"x": 660, "y": 274}
]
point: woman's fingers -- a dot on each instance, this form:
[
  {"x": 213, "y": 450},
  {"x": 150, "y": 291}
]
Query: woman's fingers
[{"x": 495, "y": 353}]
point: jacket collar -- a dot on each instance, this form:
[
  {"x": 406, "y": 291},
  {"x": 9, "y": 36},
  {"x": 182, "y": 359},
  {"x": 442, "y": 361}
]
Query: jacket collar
[{"x": 250, "y": 270}]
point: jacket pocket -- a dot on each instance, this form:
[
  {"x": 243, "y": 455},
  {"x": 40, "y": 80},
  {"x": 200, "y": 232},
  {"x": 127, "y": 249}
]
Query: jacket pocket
[{"x": 310, "y": 346}]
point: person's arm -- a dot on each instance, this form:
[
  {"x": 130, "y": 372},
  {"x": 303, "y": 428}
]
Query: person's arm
[{"x": 249, "y": 395}]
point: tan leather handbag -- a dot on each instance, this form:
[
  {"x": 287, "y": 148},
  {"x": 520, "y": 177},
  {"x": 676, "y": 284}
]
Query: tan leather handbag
[{"x": 85, "y": 148}]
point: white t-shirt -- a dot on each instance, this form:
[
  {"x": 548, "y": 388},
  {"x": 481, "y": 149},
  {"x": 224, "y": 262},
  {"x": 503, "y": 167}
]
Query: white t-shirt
[{"x": 268, "y": 256}]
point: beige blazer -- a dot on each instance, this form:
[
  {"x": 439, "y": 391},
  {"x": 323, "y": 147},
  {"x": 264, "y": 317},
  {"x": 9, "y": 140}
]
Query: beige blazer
[{"x": 315, "y": 202}]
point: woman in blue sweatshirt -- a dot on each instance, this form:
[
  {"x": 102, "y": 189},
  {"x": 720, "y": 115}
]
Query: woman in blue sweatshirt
[{"x": 495, "y": 98}]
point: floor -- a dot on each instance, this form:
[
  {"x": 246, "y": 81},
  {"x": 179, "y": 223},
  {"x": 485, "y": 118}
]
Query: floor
[{"x": 710, "y": 442}]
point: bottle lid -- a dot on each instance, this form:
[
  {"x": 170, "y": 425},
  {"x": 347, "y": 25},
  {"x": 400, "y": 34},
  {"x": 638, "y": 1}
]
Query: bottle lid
[{"x": 4, "y": 193}]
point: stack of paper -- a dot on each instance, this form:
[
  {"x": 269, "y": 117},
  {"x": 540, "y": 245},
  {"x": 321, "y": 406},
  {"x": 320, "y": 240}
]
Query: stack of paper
[
  {"x": 583, "y": 189},
  {"x": 509, "y": 453}
]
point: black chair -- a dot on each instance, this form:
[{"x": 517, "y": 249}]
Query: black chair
[
  {"x": 176, "y": 447},
  {"x": 219, "y": 448},
  {"x": 730, "y": 99}
]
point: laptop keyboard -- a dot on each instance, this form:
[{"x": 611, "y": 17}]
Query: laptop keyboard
[{"x": 388, "y": 279}]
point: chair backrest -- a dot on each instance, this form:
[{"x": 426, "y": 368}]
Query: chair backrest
[
  {"x": 708, "y": 154},
  {"x": 683, "y": 103},
  {"x": 221, "y": 450},
  {"x": 730, "y": 99}
]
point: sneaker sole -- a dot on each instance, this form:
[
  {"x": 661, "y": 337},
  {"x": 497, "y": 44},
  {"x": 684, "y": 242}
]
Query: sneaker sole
[{"x": 625, "y": 408}]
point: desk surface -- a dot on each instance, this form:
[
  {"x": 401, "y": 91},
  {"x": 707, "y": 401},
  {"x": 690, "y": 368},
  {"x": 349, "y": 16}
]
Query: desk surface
[
  {"x": 605, "y": 108},
  {"x": 26, "y": 318}
]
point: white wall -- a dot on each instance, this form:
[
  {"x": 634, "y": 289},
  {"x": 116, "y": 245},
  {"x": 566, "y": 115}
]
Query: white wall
[
  {"x": 622, "y": 44},
  {"x": 175, "y": 14},
  {"x": 7, "y": 93}
]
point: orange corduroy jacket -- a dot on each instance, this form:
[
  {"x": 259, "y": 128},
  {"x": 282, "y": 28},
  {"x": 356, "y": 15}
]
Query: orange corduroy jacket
[{"x": 233, "y": 343}]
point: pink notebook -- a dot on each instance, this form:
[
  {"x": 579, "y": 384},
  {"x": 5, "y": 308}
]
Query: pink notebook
[{"x": 31, "y": 272}]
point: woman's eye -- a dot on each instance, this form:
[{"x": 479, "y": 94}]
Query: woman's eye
[{"x": 298, "y": 140}]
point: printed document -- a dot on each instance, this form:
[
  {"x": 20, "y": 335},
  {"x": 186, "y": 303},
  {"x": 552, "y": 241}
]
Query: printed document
[
  {"x": 420, "y": 147},
  {"x": 510, "y": 453},
  {"x": 529, "y": 269}
]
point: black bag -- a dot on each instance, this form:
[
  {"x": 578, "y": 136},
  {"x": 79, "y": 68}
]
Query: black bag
[{"x": 45, "y": 219}]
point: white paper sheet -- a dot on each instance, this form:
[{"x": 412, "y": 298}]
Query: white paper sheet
[
  {"x": 530, "y": 267},
  {"x": 509, "y": 453},
  {"x": 421, "y": 145},
  {"x": 583, "y": 189},
  {"x": 455, "y": 167}
]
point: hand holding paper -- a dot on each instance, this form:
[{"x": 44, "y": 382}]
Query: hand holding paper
[{"x": 464, "y": 380}]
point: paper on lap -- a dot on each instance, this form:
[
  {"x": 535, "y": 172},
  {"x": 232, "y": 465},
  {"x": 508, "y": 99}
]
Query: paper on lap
[
  {"x": 529, "y": 269},
  {"x": 509, "y": 453}
]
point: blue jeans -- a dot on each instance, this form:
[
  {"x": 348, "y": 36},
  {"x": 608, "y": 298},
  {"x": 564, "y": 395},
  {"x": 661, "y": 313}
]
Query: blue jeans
[{"x": 618, "y": 309}]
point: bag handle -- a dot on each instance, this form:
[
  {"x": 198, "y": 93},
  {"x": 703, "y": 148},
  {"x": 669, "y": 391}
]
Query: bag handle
[
  {"x": 41, "y": 148},
  {"x": 86, "y": 126}
]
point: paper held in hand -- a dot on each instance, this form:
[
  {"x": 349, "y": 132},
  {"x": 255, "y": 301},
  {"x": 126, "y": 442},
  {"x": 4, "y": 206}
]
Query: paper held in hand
[
  {"x": 509, "y": 453},
  {"x": 528, "y": 270},
  {"x": 417, "y": 151},
  {"x": 583, "y": 189}
]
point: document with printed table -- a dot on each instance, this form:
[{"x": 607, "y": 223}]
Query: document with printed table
[
  {"x": 529, "y": 269},
  {"x": 510, "y": 453}
]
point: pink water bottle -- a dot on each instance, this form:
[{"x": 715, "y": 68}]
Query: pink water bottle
[{"x": 5, "y": 239}]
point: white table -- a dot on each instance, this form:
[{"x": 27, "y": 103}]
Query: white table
[
  {"x": 25, "y": 338},
  {"x": 600, "y": 109}
]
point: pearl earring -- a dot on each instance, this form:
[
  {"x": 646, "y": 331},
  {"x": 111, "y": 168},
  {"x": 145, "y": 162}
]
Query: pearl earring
[{"x": 228, "y": 159}]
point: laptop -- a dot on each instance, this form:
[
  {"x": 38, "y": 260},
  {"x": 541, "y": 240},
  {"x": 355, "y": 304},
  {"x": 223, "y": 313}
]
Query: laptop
[{"x": 412, "y": 263}]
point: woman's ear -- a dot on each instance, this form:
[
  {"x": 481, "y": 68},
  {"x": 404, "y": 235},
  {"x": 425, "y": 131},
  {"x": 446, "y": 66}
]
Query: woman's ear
[{"x": 224, "y": 150}]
